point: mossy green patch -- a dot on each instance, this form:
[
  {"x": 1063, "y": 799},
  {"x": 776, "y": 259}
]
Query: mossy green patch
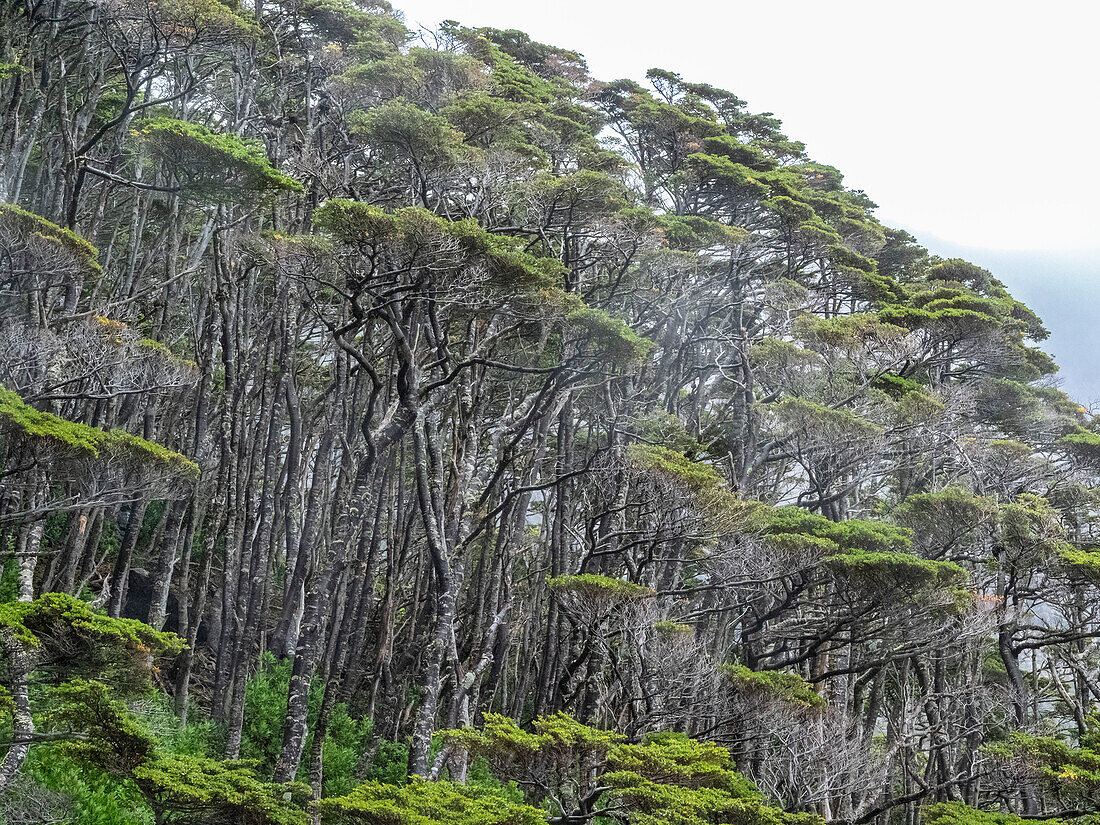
[
  {"x": 22, "y": 222},
  {"x": 22, "y": 420}
]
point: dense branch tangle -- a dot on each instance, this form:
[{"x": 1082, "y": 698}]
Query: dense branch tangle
[{"x": 438, "y": 379}]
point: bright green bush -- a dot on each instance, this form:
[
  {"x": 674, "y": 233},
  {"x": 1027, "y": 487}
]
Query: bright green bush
[
  {"x": 426, "y": 803},
  {"x": 262, "y": 734}
]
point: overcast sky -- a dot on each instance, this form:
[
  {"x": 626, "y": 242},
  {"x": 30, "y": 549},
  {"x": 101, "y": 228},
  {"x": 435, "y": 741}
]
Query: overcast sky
[{"x": 969, "y": 120}]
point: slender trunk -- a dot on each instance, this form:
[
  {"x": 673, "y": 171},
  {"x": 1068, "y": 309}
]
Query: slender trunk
[{"x": 19, "y": 667}]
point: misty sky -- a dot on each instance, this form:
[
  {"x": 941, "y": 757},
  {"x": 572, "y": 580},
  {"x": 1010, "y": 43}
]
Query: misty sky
[{"x": 970, "y": 123}]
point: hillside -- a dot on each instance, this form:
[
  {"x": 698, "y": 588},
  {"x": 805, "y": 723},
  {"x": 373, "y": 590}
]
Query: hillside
[{"x": 406, "y": 429}]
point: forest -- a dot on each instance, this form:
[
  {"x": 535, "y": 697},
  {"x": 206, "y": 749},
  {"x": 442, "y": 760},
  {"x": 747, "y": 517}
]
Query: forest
[{"x": 406, "y": 427}]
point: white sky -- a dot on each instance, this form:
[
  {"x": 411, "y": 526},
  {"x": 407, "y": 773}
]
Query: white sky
[{"x": 969, "y": 120}]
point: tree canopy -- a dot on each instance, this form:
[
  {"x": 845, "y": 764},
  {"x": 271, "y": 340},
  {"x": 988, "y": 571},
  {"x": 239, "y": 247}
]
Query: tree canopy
[{"x": 406, "y": 427}]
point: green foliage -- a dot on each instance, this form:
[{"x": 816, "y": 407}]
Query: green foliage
[
  {"x": 901, "y": 572},
  {"x": 951, "y": 318},
  {"x": 11, "y": 69},
  {"x": 776, "y": 684},
  {"x": 426, "y": 803},
  {"x": 807, "y": 419},
  {"x": 92, "y": 796},
  {"x": 660, "y": 803},
  {"x": 918, "y": 408},
  {"x": 499, "y": 736},
  {"x": 1070, "y": 771},
  {"x": 1018, "y": 407},
  {"x": 636, "y": 249},
  {"x": 958, "y": 813},
  {"x": 670, "y": 628},
  {"x": 668, "y": 431},
  {"x": 199, "y": 736},
  {"x": 525, "y": 71},
  {"x": 790, "y": 210},
  {"x": 697, "y": 476},
  {"x": 852, "y": 535},
  {"x": 713, "y": 498},
  {"x": 9, "y": 577},
  {"x": 486, "y": 121},
  {"x": 667, "y": 779},
  {"x": 1030, "y": 530},
  {"x": 84, "y": 642},
  {"x": 847, "y": 333},
  {"x": 265, "y": 711},
  {"x": 622, "y": 345},
  {"x": 560, "y": 739},
  {"x": 211, "y": 165},
  {"x": 367, "y": 226},
  {"x": 872, "y": 554},
  {"x": 18, "y": 418},
  {"x": 195, "y": 789},
  {"x": 676, "y": 758},
  {"x": 22, "y": 223},
  {"x": 215, "y": 20},
  {"x": 114, "y": 740},
  {"x": 77, "y": 652},
  {"x": 774, "y": 354},
  {"x": 356, "y": 222},
  {"x": 744, "y": 181},
  {"x": 411, "y": 131},
  {"x": 947, "y": 519},
  {"x": 345, "y": 740},
  {"x": 389, "y": 763},
  {"x": 690, "y": 232},
  {"x": 591, "y": 585},
  {"x": 901, "y": 257},
  {"x": 116, "y": 753},
  {"x": 561, "y": 735},
  {"x": 337, "y": 19},
  {"x": 963, "y": 272},
  {"x": 1081, "y": 563},
  {"x": 1084, "y": 443}
]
